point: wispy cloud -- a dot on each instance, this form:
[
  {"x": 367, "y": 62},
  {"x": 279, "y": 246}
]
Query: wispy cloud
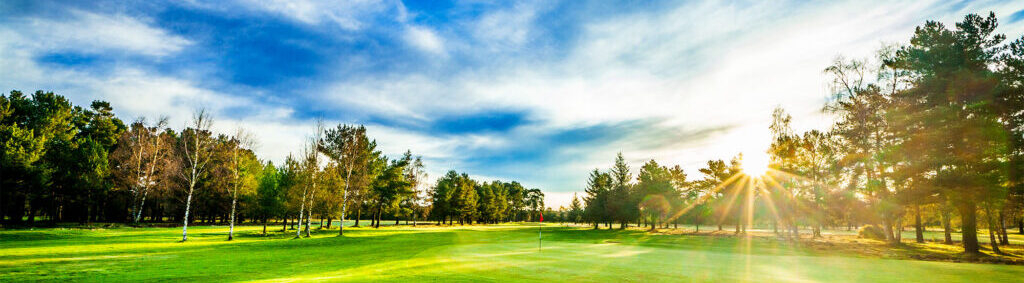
[
  {"x": 350, "y": 15},
  {"x": 424, "y": 39},
  {"x": 96, "y": 33}
]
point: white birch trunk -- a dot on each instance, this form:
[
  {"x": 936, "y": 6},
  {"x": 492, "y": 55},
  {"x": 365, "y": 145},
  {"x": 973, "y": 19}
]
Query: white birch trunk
[
  {"x": 231, "y": 229},
  {"x": 197, "y": 160},
  {"x": 302, "y": 211},
  {"x": 149, "y": 176},
  {"x": 138, "y": 214},
  {"x": 312, "y": 194},
  {"x": 191, "y": 188},
  {"x": 234, "y": 195},
  {"x": 344, "y": 202},
  {"x": 138, "y": 175},
  {"x": 188, "y": 205},
  {"x": 188, "y": 201},
  {"x": 309, "y": 212}
]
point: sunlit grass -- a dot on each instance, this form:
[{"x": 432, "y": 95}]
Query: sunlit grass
[{"x": 499, "y": 252}]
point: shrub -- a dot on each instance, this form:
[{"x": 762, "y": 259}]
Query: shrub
[{"x": 871, "y": 232}]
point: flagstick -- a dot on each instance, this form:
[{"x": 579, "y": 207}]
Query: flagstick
[{"x": 539, "y": 237}]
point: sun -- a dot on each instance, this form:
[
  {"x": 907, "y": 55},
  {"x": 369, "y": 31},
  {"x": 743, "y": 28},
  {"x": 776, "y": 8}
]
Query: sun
[{"x": 755, "y": 164}]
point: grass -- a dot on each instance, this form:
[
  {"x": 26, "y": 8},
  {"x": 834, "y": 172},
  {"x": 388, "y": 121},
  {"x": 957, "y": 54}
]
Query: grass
[{"x": 470, "y": 253}]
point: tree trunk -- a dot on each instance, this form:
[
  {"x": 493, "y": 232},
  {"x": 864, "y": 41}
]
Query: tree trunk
[
  {"x": 969, "y": 227},
  {"x": 264, "y": 226},
  {"x": 899, "y": 231},
  {"x": 309, "y": 216},
  {"x": 344, "y": 206},
  {"x": 947, "y": 227},
  {"x": 31, "y": 218},
  {"x": 312, "y": 195},
  {"x": 1004, "y": 240},
  {"x": 991, "y": 231},
  {"x": 302, "y": 212},
  {"x": 918, "y": 227},
  {"x": 887, "y": 225},
  {"x": 377, "y": 217},
  {"x": 142, "y": 204},
  {"x": 234, "y": 201},
  {"x": 359, "y": 213},
  {"x": 188, "y": 205}
]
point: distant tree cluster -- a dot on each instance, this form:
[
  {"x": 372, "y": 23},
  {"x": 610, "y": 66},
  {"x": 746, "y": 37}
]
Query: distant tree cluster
[
  {"x": 55, "y": 158},
  {"x": 660, "y": 195},
  {"x": 64, "y": 163},
  {"x": 931, "y": 130},
  {"x": 456, "y": 197}
]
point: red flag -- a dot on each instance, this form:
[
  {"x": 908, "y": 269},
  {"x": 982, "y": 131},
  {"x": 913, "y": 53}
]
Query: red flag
[{"x": 541, "y": 217}]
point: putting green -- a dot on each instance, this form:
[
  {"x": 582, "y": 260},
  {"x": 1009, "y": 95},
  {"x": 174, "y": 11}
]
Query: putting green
[{"x": 470, "y": 253}]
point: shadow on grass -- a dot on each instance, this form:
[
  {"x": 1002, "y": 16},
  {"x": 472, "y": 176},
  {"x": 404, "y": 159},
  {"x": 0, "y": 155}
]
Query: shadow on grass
[{"x": 769, "y": 244}]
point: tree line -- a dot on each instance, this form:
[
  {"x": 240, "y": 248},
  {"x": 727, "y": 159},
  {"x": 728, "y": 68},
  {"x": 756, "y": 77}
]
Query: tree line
[
  {"x": 65, "y": 163},
  {"x": 927, "y": 133},
  {"x": 456, "y": 197}
]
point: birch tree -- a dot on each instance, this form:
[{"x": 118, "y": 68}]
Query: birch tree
[
  {"x": 244, "y": 141},
  {"x": 313, "y": 165},
  {"x": 196, "y": 148},
  {"x": 308, "y": 169},
  {"x": 415, "y": 175},
  {"x": 344, "y": 145},
  {"x": 141, "y": 155}
]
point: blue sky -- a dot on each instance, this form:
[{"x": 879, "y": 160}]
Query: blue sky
[{"x": 535, "y": 91}]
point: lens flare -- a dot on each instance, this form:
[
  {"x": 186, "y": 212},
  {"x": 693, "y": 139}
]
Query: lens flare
[{"x": 755, "y": 164}]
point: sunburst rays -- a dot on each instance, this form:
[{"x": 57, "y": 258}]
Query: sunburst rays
[{"x": 770, "y": 189}]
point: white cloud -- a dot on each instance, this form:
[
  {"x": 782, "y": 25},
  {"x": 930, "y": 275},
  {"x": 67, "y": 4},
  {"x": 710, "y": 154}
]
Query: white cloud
[
  {"x": 506, "y": 28},
  {"x": 93, "y": 33},
  {"x": 425, "y": 39},
  {"x": 350, "y": 15}
]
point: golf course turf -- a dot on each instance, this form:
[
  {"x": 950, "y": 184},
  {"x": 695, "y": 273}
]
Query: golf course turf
[{"x": 459, "y": 253}]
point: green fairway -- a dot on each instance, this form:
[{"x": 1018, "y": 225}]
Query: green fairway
[{"x": 471, "y": 253}]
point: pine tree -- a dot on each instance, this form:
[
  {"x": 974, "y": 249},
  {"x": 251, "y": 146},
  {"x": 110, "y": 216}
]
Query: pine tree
[
  {"x": 575, "y": 210},
  {"x": 622, "y": 202}
]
